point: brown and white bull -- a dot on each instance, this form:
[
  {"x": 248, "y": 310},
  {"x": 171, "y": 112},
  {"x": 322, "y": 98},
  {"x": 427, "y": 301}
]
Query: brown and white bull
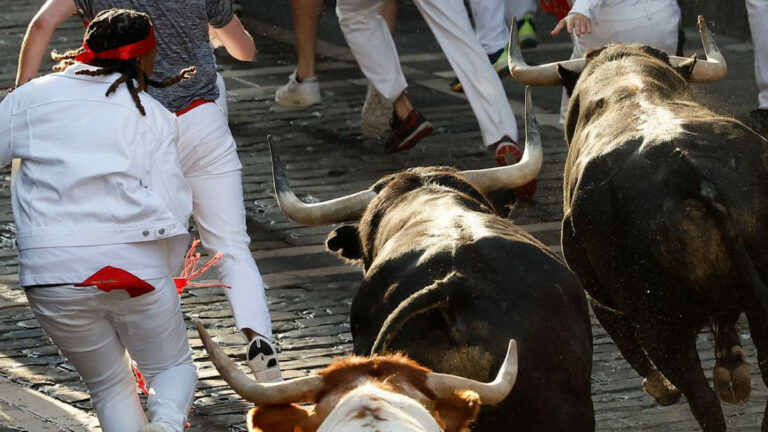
[
  {"x": 357, "y": 394},
  {"x": 665, "y": 206},
  {"x": 448, "y": 281}
]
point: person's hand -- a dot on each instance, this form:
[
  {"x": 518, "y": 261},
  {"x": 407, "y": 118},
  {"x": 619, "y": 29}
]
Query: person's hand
[{"x": 574, "y": 23}]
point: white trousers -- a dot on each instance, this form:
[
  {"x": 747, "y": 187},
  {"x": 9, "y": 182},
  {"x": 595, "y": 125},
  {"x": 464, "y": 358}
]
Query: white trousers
[
  {"x": 97, "y": 330},
  {"x": 371, "y": 43},
  {"x": 657, "y": 29},
  {"x": 221, "y": 101},
  {"x": 757, "y": 10},
  {"x": 212, "y": 169},
  {"x": 492, "y": 26}
]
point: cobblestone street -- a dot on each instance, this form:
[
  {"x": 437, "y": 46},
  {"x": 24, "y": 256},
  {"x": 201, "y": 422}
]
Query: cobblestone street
[{"x": 309, "y": 290}]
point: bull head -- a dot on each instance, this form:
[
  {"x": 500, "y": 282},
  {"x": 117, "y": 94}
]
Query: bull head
[
  {"x": 351, "y": 207},
  {"x": 436, "y": 386},
  {"x": 551, "y": 74}
]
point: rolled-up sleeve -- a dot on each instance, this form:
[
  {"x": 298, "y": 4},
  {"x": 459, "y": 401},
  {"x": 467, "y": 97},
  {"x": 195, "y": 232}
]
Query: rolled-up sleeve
[{"x": 219, "y": 12}]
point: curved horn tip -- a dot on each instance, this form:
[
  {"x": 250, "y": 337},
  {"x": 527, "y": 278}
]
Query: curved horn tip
[
  {"x": 511, "y": 352},
  {"x": 204, "y": 336},
  {"x": 700, "y": 21},
  {"x": 514, "y": 55}
]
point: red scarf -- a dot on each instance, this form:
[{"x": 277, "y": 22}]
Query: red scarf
[{"x": 124, "y": 52}]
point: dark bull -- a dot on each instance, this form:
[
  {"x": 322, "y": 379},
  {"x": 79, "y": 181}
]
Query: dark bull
[
  {"x": 448, "y": 281},
  {"x": 665, "y": 205}
]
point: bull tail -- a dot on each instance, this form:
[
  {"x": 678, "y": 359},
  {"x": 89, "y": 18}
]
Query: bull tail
[
  {"x": 711, "y": 198},
  {"x": 435, "y": 296}
]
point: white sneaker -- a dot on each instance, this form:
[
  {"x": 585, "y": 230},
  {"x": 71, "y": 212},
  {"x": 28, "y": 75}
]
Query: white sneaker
[
  {"x": 261, "y": 357},
  {"x": 298, "y": 94},
  {"x": 376, "y": 114}
]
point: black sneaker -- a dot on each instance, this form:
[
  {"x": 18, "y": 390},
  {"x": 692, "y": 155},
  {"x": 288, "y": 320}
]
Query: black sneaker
[
  {"x": 404, "y": 134},
  {"x": 759, "y": 119}
]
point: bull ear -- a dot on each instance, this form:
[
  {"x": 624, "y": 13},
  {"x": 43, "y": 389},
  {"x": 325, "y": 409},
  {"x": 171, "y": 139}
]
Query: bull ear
[
  {"x": 568, "y": 78},
  {"x": 686, "y": 68},
  {"x": 457, "y": 412},
  {"x": 346, "y": 241},
  {"x": 282, "y": 418}
]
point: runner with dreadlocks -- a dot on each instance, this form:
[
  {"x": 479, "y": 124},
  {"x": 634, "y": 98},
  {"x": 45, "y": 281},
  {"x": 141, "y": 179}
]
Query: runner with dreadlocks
[
  {"x": 129, "y": 70},
  {"x": 208, "y": 150},
  {"x": 101, "y": 209}
]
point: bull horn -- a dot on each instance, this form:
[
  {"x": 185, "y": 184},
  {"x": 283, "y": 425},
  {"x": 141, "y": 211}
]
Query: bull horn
[
  {"x": 444, "y": 385},
  {"x": 521, "y": 173},
  {"x": 346, "y": 208},
  {"x": 296, "y": 390},
  {"x": 714, "y": 67},
  {"x": 541, "y": 75}
]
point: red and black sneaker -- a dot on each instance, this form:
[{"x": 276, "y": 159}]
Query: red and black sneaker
[
  {"x": 507, "y": 153},
  {"x": 404, "y": 134}
]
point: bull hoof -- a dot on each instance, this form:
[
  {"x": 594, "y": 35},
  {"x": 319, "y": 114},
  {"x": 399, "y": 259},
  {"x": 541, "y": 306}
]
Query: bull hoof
[
  {"x": 732, "y": 384},
  {"x": 658, "y": 386}
]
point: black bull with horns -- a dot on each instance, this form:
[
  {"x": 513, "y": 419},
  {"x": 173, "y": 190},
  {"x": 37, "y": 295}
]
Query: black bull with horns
[
  {"x": 665, "y": 205},
  {"x": 448, "y": 282}
]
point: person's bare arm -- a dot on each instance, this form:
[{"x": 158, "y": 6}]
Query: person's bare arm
[
  {"x": 38, "y": 35},
  {"x": 236, "y": 40}
]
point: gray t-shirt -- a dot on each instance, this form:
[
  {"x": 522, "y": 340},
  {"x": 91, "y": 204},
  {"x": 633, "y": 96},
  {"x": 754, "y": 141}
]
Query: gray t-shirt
[{"x": 181, "y": 29}]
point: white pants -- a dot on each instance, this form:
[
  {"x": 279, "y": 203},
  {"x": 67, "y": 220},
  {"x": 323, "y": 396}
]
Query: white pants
[
  {"x": 221, "y": 101},
  {"x": 93, "y": 329},
  {"x": 371, "y": 43},
  {"x": 211, "y": 166},
  {"x": 757, "y": 10},
  {"x": 492, "y": 26},
  {"x": 657, "y": 29}
]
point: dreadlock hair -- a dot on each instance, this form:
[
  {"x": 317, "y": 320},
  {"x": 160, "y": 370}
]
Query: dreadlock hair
[{"x": 110, "y": 29}]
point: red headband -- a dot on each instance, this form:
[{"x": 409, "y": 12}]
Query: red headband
[{"x": 124, "y": 52}]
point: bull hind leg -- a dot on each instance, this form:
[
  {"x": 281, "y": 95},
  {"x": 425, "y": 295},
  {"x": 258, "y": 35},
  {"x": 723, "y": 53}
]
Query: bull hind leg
[
  {"x": 616, "y": 325},
  {"x": 621, "y": 331},
  {"x": 672, "y": 348},
  {"x": 730, "y": 375}
]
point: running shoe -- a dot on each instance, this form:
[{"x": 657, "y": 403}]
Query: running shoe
[
  {"x": 261, "y": 357},
  {"x": 404, "y": 134},
  {"x": 298, "y": 94},
  {"x": 527, "y": 32},
  {"x": 376, "y": 114}
]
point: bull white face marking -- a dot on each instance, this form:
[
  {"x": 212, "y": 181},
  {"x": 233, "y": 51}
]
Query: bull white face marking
[{"x": 369, "y": 408}]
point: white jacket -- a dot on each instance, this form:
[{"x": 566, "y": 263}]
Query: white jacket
[
  {"x": 616, "y": 10},
  {"x": 94, "y": 171}
]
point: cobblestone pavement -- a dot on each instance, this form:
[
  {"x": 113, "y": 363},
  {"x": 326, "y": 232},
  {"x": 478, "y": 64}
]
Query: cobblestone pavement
[{"x": 309, "y": 290}]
